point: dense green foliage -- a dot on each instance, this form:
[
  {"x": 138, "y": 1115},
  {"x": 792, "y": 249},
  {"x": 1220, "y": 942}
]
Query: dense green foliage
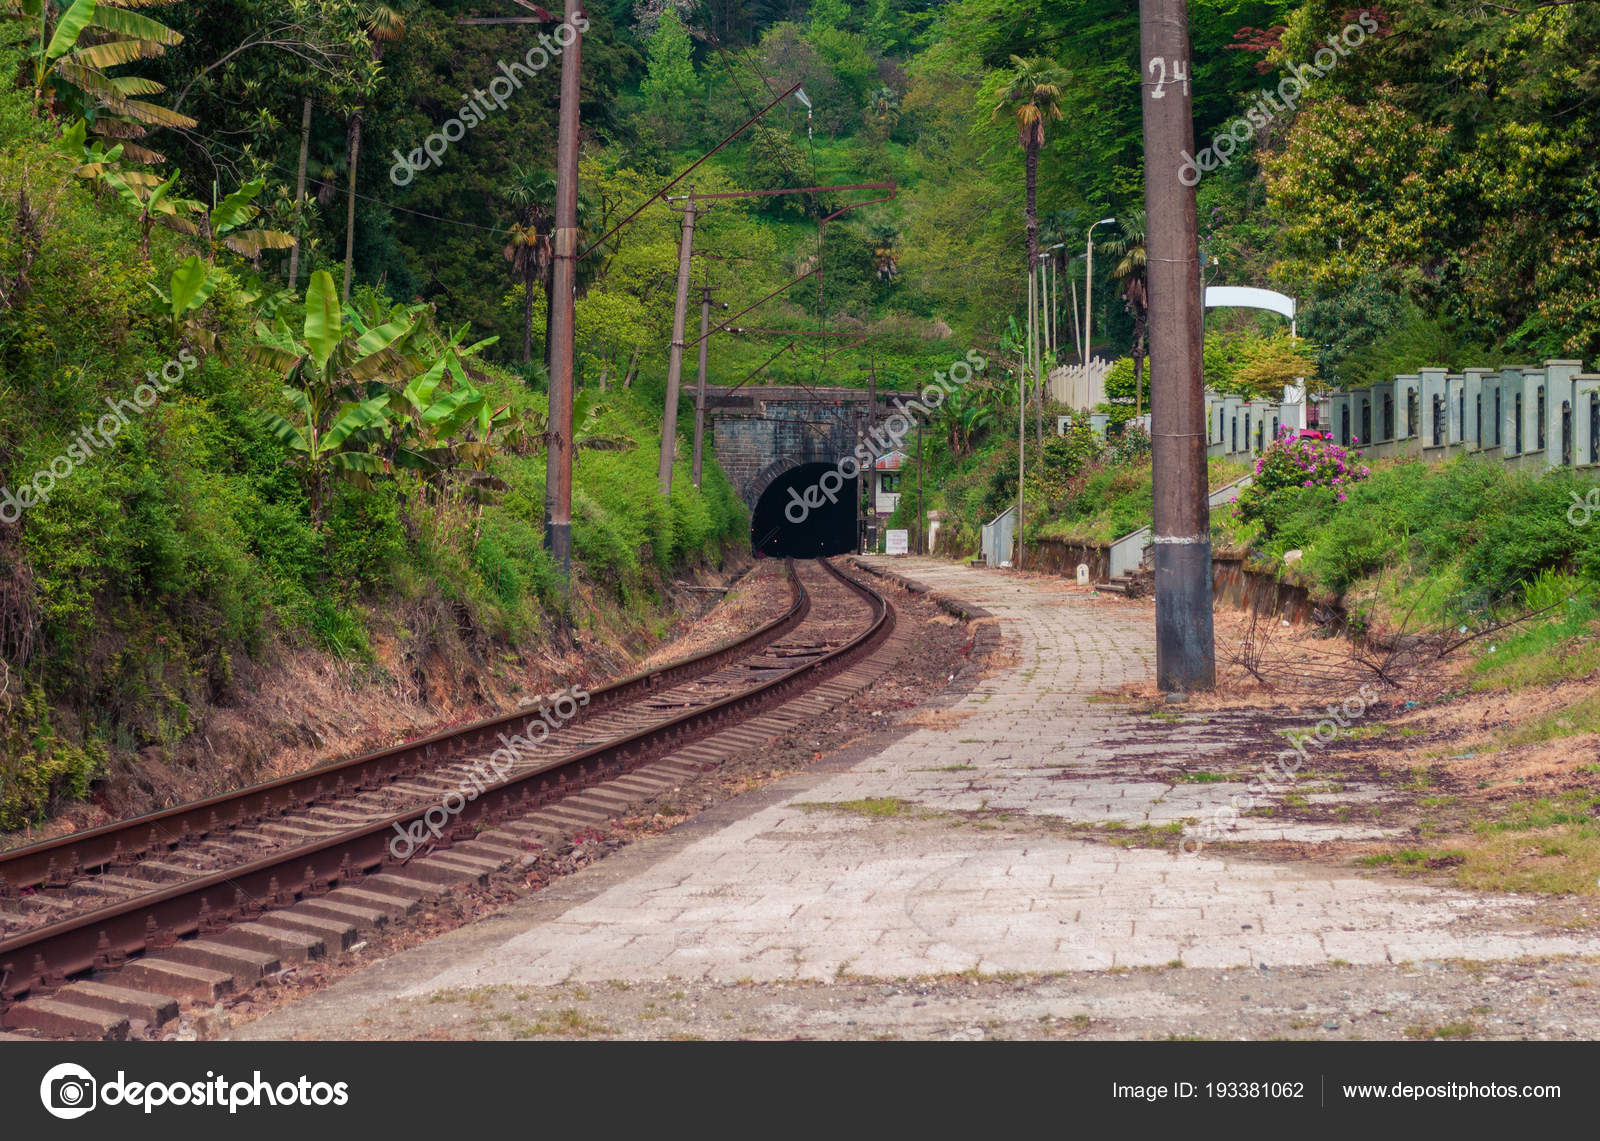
[
  {"x": 1430, "y": 200},
  {"x": 283, "y": 472},
  {"x": 1470, "y": 534}
]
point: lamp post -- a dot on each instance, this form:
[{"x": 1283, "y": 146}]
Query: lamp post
[
  {"x": 1051, "y": 292},
  {"x": 1088, "y": 292}
]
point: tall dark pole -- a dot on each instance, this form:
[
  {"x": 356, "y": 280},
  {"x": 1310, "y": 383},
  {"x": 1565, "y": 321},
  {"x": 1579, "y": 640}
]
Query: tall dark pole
[
  {"x": 1185, "y": 650},
  {"x": 563, "y": 290},
  {"x": 921, "y": 519},
  {"x": 869, "y": 477},
  {"x": 680, "y": 313}
]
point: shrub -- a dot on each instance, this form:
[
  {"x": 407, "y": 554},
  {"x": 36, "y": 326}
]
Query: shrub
[{"x": 1292, "y": 464}]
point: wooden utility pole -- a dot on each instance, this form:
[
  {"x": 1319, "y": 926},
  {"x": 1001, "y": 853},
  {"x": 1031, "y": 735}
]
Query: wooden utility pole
[
  {"x": 1181, "y": 523},
  {"x": 563, "y": 290},
  {"x": 680, "y": 313}
]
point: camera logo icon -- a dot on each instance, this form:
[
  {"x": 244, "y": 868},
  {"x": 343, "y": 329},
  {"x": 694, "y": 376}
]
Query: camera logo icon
[{"x": 68, "y": 1091}]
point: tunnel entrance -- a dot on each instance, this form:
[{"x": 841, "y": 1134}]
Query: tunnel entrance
[{"x": 807, "y": 512}]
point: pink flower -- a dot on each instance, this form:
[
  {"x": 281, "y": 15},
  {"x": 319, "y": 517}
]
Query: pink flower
[{"x": 1342, "y": 497}]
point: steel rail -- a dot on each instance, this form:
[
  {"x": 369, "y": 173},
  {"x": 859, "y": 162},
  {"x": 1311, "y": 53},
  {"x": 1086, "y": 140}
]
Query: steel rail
[
  {"x": 48, "y": 956},
  {"x": 55, "y": 863}
]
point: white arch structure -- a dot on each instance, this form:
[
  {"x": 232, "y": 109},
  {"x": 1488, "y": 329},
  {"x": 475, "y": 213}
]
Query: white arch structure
[{"x": 1244, "y": 297}]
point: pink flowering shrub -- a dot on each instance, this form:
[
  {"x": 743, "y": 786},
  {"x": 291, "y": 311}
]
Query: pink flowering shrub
[{"x": 1293, "y": 468}]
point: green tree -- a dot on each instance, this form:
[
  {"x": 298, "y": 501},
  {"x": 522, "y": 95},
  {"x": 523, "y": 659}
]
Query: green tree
[
  {"x": 528, "y": 249},
  {"x": 1031, "y": 93},
  {"x": 382, "y": 24},
  {"x": 671, "y": 88}
]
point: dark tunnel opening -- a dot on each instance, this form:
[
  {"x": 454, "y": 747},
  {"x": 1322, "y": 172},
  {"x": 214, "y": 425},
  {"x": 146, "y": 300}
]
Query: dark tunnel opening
[{"x": 808, "y": 512}]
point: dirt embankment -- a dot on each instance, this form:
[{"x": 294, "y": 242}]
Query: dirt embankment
[{"x": 298, "y": 707}]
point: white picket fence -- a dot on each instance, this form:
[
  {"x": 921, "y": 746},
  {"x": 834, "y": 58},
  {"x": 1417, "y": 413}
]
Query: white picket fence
[{"x": 1080, "y": 386}]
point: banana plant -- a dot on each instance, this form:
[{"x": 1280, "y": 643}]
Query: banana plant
[
  {"x": 329, "y": 451},
  {"x": 333, "y": 373},
  {"x": 89, "y": 161},
  {"x": 191, "y": 286},
  {"x": 77, "y": 46},
  {"x": 433, "y": 418},
  {"x": 328, "y": 356},
  {"x": 152, "y": 201},
  {"x": 226, "y": 221},
  {"x": 532, "y": 430}
]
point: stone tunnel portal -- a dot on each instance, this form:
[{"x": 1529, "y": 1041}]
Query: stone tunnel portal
[{"x": 807, "y": 512}]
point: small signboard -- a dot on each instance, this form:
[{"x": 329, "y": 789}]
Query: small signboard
[{"x": 897, "y": 542}]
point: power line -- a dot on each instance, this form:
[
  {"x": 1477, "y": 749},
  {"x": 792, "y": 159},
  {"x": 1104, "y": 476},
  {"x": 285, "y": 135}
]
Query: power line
[{"x": 363, "y": 197}]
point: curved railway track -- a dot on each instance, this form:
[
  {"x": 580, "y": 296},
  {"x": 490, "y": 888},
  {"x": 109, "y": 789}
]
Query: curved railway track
[{"x": 193, "y": 901}]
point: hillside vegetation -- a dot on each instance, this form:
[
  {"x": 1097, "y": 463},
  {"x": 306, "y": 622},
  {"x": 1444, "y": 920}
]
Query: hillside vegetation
[{"x": 319, "y": 231}]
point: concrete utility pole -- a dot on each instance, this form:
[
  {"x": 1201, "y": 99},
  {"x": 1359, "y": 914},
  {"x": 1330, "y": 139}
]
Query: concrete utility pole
[
  {"x": 680, "y": 313},
  {"x": 1088, "y": 280},
  {"x": 1185, "y": 649},
  {"x": 563, "y": 291},
  {"x": 869, "y": 474},
  {"x": 700, "y": 388},
  {"x": 922, "y": 520},
  {"x": 1035, "y": 351},
  {"x": 1022, "y": 446}
]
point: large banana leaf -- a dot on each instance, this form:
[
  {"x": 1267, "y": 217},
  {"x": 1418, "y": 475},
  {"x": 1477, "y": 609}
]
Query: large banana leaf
[
  {"x": 237, "y": 208},
  {"x": 151, "y": 114},
  {"x": 323, "y": 324},
  {"x": 352, "y": 419},
  {"x": 127, "y": 23},
  {"x": 109, "y": 54},
  {"x": 278, "y": 359},
  {"x": 452, "y": 412},
  {"x": 68, "y": 28},
  {"x": 192, "y": 283},
  {"x": 250, "y": 243}
]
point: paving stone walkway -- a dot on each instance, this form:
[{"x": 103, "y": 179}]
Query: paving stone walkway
[{"x": 893, "y": 868}]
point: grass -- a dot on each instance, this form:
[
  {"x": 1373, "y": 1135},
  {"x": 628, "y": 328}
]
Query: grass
[
  {"x": 1201, "y": 778},
  {"x": 1545, "y": 846},
  {"x": 1448, "y": 1030},
  {"x": 566, "y": 1023},
  {"x": 1563, "y": 645},
  {"x": 880, "y": 807},
  {"x": 1582, "y": 716}
]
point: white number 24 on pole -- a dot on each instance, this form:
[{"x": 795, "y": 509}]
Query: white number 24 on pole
[{"x": 1180, "y": 74}]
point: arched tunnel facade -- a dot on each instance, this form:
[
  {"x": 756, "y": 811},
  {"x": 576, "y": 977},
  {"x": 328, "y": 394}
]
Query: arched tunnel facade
[{"x": 808, "y": 511}]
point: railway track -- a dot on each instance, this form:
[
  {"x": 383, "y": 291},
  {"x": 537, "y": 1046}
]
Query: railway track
[{"x": 117, "y": 925}]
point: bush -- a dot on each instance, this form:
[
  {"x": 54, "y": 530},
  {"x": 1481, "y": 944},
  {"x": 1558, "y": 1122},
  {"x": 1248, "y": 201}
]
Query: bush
[{"x": 1293, "y": 465}]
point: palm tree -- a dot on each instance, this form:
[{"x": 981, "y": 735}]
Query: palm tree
[
  {"x": 531, "y": 193},
  {"x": 381, "y": 24},
  {"x": 1128, "y": 249},
  {"x": 1033, "y": 96}
]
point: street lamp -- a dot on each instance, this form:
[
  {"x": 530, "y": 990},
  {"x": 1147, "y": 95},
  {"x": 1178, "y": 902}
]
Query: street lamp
[
  {"x": 1052, "y": 293},
  {"x": 1088, "y": 294}
]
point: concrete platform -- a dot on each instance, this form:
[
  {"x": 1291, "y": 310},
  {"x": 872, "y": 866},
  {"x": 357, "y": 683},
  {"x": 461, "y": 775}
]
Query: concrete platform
[{"x": 936, "y": 849}]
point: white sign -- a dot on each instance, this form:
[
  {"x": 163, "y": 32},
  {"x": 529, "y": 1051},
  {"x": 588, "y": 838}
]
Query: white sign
[{"x": 897, "y": 542}]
